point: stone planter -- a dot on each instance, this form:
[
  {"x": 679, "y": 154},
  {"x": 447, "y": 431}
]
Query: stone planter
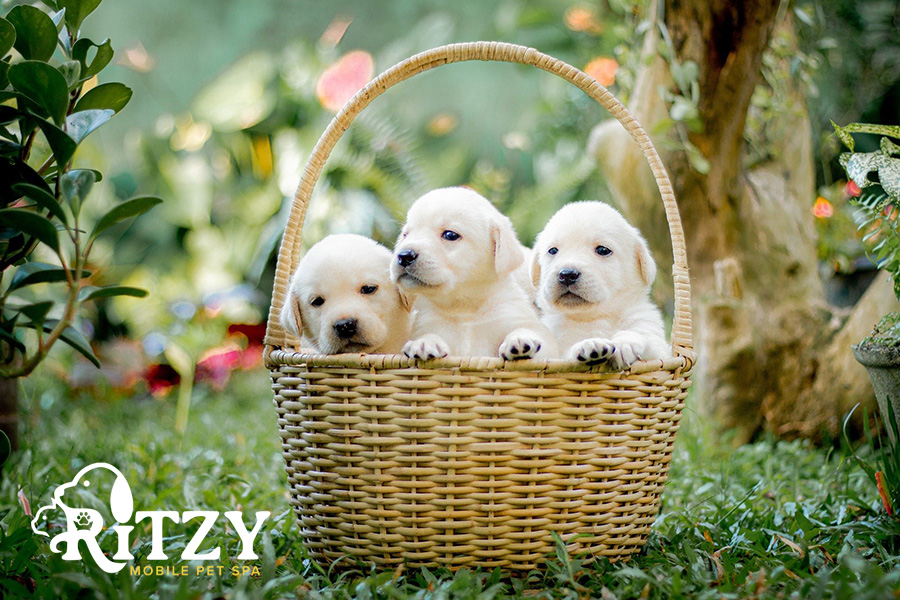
[{"x": 883, "y": 366}]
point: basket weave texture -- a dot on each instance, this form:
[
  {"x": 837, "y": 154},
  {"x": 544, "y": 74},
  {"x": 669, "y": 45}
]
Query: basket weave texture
[{"x": 474, "y": 461}]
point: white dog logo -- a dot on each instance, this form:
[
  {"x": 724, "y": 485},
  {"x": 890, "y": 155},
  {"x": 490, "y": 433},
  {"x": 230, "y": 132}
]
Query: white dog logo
[{"x": 84, "y": 524}]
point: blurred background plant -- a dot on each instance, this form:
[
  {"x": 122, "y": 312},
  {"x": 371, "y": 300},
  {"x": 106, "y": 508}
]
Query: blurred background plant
[{"x": 225, "y": 144}]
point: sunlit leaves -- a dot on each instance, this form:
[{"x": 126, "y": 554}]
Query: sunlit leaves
[{"x": 112, "y": 96}]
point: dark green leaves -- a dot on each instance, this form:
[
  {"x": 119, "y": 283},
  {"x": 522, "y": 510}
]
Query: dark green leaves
[
  {"x": 76, "y": 11},
  {"x": 73, "y": 337},
  {"x": 42, "y": 198},
  {"x": 112, "y": 96},
  {"x": 92, "y": 292},
  {"x": 7, "y": 37},
  {"x": 37, "y": 272},
  {"x": 101, "y": 58},
  {"x": 31, "y": 224},
  {"x": 35, "y": 32},
  {"x": 43, "y": 85},
  {"x": 61, "y": 144},
  {"x": 126, "y": 210}
]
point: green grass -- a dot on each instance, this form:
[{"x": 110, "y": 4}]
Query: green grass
[{"x": 767, "y": 520}]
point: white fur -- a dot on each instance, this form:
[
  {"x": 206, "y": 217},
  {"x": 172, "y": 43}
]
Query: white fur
[
  {"x": 607, "y": 314},
  {"x": 336, "y": 269},
  {"x": 467, "y": 299}
]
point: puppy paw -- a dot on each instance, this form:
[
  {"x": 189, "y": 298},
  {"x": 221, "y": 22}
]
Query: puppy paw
[
  {"x": 426, "y": 347},
  {"x": 593, "y": 351},
  {"x": 519, "y": 344},
  {"x": 626, "y": 354}
]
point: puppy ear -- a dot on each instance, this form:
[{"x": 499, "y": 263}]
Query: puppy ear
[
  {"x": 645, "y": 264},
  {"x": 290, "y": 317},
  {"x": 507, "y": 253},
  {"x": 535, "y": 270}
]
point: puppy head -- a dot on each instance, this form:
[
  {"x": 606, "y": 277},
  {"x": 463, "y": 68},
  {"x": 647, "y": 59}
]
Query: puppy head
[
  {"x": 589, "y": 255},
  {"x": 343, "y": 295},
  {"x": 453, "y": 239}
]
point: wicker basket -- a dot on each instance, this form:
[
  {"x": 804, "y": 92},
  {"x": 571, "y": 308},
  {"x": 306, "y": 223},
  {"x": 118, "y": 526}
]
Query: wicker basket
[{"x": 473, "y": 461}]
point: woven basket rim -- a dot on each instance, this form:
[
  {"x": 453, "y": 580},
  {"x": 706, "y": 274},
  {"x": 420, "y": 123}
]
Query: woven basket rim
[{"x": 292, "y": 357}]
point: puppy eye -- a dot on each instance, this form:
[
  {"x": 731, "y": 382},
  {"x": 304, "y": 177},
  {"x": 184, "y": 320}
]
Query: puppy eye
[
  {"x": 450, "y": 236},
  {"x": 552, "y": 251},
  {"x": 318, "y": 301},
  {"x": 602, "y": 250},
  {"x": 368, "y": 289}
]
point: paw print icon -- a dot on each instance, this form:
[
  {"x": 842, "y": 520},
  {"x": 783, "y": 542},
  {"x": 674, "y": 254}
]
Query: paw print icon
[{"x": 83, "y": 519}]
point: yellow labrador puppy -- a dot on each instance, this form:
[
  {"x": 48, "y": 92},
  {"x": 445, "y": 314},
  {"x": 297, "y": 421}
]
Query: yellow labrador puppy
[
  {"x": 458, "y": 257},
  {"x": 593, "y": 272},
  {"x": 343, "y": 295}
]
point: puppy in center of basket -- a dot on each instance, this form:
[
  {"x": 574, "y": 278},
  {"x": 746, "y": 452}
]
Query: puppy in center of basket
[
  {"x": 593, "y": 272},
  {"x": 344, "y": 298},
  {"x": 458, "y": 256}
]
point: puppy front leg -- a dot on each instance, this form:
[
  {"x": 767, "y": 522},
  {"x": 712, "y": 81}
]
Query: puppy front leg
[
  {"x": 592, "y": 351},
  {"x": 522, "y": 343},
  {"x": 630, "y": 347},
  {"x": 426, "y": 347}
]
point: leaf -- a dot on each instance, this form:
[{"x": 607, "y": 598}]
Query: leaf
[
  {"x": 43, "y": 198},
  {"x": 61, "y": 144},
  {"x": 94, "y": 292},
  {"x": 73, "y": 338},
  {"x": 102, "y": 58},
  {"x": 43, "y": 85},
  {"x": 32, "y": 224},
  {"x": 859, "y": 164},
  {"x": 35, "y": 32},
  {"x": 126, "y": 210},
  {"x": 77, "y": 11},
  {"x": 37, "y": 272},
  {"x": 75, "y": 187},
  {"x": 4, "y": 74},
  {"x": 7, "y": 36},
  {"x": 16, "y": 171},
  {"x": 81, "y": 124},
  {"x": 71, "y": 72},
  {"x": 113, "y": 96},
  {"x": 37, "y": 312}
]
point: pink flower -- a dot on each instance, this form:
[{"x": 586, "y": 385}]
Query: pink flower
[
  {"x": 340, "y": 82},
  {"x": 852, "y": 189}
]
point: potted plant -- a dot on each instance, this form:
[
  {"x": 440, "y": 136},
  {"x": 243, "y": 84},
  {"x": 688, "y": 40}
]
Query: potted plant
[{"x": 877, "y": 175}]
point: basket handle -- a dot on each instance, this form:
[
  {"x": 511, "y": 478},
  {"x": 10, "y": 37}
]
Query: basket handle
[{"x": 289, "y": 253}]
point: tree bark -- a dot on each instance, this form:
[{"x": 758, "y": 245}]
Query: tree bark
[
  {"x": 9, "y": 410},
  {"x": 773, "y": 353}
]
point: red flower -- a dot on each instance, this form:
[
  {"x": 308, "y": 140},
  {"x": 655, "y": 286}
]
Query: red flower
[
  {"x": 215, "y": 366},
  {"x": 161, "y": 378},
  {"x": 852, "y": 189}
]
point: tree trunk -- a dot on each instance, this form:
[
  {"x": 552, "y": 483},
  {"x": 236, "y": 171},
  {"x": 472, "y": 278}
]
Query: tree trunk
[
  {"x": 9, "y": 410},
  {"x": 773, "y": 353}
]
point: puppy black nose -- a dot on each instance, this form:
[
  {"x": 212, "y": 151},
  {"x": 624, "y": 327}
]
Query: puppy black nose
[
  {"x": 568, "y": 276},
  {"x": 345, "y": 328},
  {"x": 407, "y": 257}
]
